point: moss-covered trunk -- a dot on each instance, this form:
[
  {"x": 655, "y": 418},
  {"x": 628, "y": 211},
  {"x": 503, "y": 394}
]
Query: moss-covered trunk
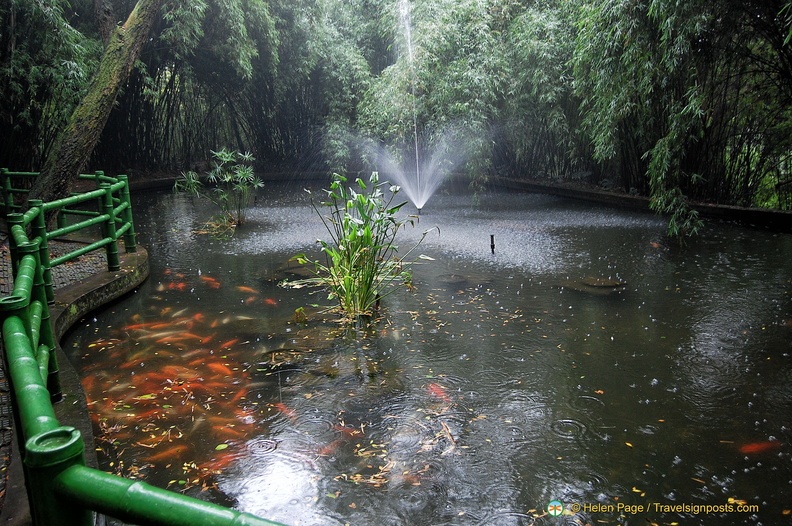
[{"x": 76, "y": 142}]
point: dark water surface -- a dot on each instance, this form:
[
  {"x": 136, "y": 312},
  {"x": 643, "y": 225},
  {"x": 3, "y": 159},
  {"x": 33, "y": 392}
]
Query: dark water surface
[{"x": 502, "y": 382}]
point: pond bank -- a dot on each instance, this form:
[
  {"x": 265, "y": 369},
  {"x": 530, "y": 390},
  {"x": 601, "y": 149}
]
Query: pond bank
[{"x": 756, "y": 217}]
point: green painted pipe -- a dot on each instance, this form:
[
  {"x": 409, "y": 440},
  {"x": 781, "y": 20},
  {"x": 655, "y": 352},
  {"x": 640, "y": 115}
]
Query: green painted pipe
[
  {"x": 36, "y": 414},
  {"x": 141, "y": 503},
  {"x": 48, "y": 454}
]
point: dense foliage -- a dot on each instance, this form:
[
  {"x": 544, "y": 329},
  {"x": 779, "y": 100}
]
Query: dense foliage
[{"x": 676, "y": 100}]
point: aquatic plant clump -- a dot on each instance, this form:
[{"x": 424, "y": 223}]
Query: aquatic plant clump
[
  {"x": 232, "y": 186},
  {"x": 362, "y": 264}
]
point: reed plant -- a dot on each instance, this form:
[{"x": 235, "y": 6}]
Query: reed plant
[{"x": 362, "y": 264}]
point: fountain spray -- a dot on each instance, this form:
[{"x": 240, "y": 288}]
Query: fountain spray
[{"x": 407, "y": 22}]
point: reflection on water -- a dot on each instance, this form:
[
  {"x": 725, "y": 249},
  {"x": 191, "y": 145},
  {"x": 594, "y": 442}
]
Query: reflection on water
[{"x": 586, "y": 360}]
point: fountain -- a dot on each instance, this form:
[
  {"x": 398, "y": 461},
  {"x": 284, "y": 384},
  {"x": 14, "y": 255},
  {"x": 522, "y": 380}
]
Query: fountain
[{"x": 420, "y": 182}]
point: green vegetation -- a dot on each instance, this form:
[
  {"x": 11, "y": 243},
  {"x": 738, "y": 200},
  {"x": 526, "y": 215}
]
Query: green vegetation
[
  {"x": 362, "y": 264},
  {"x": 232, "y": 186},
  {"x": 678, "y": 101}
]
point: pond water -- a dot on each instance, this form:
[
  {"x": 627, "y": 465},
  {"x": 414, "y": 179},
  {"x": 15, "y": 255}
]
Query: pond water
[{"x": 587, "y": 360}]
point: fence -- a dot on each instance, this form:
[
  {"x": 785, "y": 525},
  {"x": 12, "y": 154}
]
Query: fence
[{"x": 62, "y": 491}]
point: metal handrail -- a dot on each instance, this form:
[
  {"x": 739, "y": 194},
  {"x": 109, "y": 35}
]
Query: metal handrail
[{"x": 62, "y": 490}]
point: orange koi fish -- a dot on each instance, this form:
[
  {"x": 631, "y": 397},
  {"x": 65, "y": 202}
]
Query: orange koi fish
[
  {"x": 330, "y": 448},
  {"x": 217, "y": 465},
  {"x": 438, "y": 391},
  {"x": 754, "y": 448},
  {"x": 139, "y": 326},
  {"x": 174, "y": 452},
  {"x": 270, "y": 301},
  {"x": 229, "y": 343},
  {"x": 242, "y": 393},
  {"x": 281, "y": 407},
  {"x": 247, "y": 289},
  {"x": 220, "y": 368},
  {"x": 228, "y": 431}
]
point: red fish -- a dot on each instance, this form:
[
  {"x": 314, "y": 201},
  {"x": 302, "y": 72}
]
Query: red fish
[
  {"x": 242, "y": 393},
  {"x": 168, "y": 454},
  {"x": 220, "y": 368},
  {"x": 438, "y": 391},
  {"x": 330, "y": 448},
  {"x": 270, "y": 301},
  {"x": 229, "y": 343},
  {"x": 759, "y": 447},
  {"x": 220, "y": 463},
  {"x": 247, "y": 289},
  {"x": 281, "y": 407}
]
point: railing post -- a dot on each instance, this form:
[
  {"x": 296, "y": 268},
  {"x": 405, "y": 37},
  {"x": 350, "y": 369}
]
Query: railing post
[
  {"x": 12, "y": 219},
  {"x": 130, "y": 244},
  {"x": 46, "y": 336},
  {"x": 8, "y": 196},
  {"x": 109, "y": 227},
  {"x": 39, "y": 229},
  {"x": 47, "y": 455}
]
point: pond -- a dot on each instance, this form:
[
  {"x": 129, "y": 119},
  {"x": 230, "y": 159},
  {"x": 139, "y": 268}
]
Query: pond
[{"x": 587, "y": 360}]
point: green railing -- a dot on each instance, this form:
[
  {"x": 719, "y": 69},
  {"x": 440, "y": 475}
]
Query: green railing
[{"x": 62, "y": 491}]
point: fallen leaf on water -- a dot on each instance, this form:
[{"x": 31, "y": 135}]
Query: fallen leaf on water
[
  {"x": 220, "y": 447},
  {"x": 628, "y": 444}
]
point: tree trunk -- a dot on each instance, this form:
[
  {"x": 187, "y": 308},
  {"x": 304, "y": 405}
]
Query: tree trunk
[
  {"x": 105, "y": 19},
  {"x": 76, "y": 142}
]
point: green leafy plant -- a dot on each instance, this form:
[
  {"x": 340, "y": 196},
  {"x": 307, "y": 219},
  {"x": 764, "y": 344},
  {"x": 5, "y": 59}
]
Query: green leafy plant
[
  {"x": 232, "y": 186},
  {"x": 362, "y": 264}
]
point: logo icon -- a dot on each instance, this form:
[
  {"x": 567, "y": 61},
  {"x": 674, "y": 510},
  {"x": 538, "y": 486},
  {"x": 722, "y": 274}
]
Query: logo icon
[{"x": 555, "y": 508}]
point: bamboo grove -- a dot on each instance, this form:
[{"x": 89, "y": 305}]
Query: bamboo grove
[{"x": 676, "y": 100}]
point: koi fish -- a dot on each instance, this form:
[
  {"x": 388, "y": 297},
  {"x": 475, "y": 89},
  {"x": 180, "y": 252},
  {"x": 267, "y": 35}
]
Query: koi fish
[
  {"x": 270, "y": 301},
  {"x": 759, "y": 447},
  {"x": 247, "y": 289},
  {"x": 174, "y": 452},
  {"x": 242, "y": 393},
  {"x": 228, "y": 431},
  {"x": 281, "y": 407},
  {"x": 438, "y": 391},
  {"x": 229, "y": 343},
  {"x": 137, "y": 326},
  {"x": 216, "y": 465},
  {"x": 220, "y": 368},
  {"x": 330, "y": 448}
]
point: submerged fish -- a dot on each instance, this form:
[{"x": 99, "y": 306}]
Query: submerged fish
[
  {"x": 759, "y": 447},
  {"x": 438, "y": 391}
]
